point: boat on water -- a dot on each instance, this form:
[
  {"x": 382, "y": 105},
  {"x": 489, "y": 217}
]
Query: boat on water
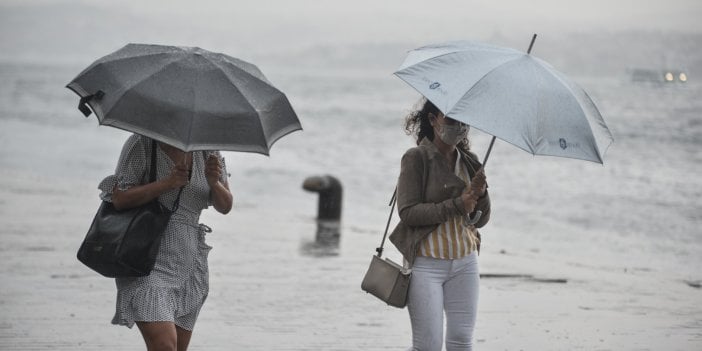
[{"x": 646, "y": 75}]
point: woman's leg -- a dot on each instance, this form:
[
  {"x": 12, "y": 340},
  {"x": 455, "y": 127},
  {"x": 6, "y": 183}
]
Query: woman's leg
[
  {"x": 425, "y": 303},
  {"x": 159, "y": 336},
  {"x": 183, "y": 338},
  {"x": 461, "y": 303},
  {"x": 184, "y": 328}
]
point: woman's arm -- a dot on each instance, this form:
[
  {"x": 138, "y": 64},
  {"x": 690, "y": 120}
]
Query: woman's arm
[
  {"x": 478, "y": 186},
  {"x": 222, "y": 198},
  {"x": 410, "y": 190},
  {"x": 484, "y": 206},
  {"x": 429, "y": 213},
  {"x": 141, "y": 194}
]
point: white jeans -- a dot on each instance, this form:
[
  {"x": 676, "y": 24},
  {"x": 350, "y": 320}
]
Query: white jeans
[{"x": 443, "y": 285}]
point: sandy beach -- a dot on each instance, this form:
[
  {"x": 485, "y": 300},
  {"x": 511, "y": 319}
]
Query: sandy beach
[{"x": 267, "y": 295}]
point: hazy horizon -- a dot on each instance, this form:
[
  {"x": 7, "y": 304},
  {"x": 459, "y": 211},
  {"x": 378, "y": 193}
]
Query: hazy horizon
[{"x": 70, "y": 30}]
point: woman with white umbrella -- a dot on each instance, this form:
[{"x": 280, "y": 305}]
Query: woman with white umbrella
[{"x": 441, "y": 183}]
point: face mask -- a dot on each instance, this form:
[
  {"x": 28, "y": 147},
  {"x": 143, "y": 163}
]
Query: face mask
[{"x": 453, "y": 134}]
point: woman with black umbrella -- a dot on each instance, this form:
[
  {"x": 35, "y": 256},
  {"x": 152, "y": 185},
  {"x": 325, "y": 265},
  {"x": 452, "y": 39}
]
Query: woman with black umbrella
[{"x": 165, "y": 304}]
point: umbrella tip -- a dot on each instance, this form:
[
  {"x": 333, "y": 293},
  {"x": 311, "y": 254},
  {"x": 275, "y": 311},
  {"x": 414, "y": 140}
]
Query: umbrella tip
[{"x": 533, "y": 39}]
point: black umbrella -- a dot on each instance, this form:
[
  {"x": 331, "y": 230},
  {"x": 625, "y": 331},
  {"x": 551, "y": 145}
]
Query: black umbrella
[{"x": 187, "y": 97}]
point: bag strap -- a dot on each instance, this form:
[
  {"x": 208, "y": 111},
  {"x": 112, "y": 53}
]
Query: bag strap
[
  {"x": 379, "y": 250},
  {"x": 152, "y": 172},
  {"x": 393, "y": 200},
  {"x": 152, "y": 175}
]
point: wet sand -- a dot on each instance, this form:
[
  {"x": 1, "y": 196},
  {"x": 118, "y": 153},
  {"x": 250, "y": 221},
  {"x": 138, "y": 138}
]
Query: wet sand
[{"x": 268, "y": 294}]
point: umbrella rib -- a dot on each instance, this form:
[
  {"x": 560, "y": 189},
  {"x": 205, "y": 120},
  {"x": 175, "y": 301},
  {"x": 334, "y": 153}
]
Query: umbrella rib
[
  {"x": 511, "y": 51},
  {"x": 609, "y": 133},
  {"x": 140, "y": 81},
  {"x": 565, "y": 83},
  {"x": 193, "y": 102},
  {"x": 539, "y": 96},
  {"x": 289, "y": 128},
  {"x": 128, "y": 88},
  {"x": 113, "y": 60},
  {"x": 253, "y": 108},
  {"x": 161, "y": 69},
  {"x": 233, "y": 61},
  {"x": 233, "y": 66},
  {"x": 223, "y": 71},
  {"x": 124, "y": 91},
  {"x": 105, "y": 60},
  {"x": 283, "y": 132},
  {"x": 530, "y": 149}
]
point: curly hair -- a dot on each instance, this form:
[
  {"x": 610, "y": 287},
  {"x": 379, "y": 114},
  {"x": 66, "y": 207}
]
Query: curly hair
[{"x": 418, "y": 125}]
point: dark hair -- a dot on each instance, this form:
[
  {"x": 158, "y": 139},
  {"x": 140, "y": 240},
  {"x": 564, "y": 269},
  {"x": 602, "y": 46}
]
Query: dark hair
[{"x": 417, "y": 123}]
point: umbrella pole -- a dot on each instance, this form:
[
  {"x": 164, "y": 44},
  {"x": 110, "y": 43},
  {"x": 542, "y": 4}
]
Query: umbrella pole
[{"x": 487, "y": 154}]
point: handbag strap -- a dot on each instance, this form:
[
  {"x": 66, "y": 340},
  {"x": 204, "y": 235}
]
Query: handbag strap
[
  {"x": 379, "y": 250},
  {"x": 152, "y": 175},
  {"x": 393, "y": 200}
]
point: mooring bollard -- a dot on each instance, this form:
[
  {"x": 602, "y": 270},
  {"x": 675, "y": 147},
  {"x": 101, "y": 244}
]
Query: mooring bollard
[{"x": 328, "y": 209}]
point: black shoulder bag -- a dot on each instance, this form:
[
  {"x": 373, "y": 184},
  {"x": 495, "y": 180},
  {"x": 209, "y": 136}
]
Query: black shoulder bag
[{"x": 125, "y": 243}]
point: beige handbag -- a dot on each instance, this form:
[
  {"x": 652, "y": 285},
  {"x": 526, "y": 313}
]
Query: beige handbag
[{"x": 386, "y": 279}]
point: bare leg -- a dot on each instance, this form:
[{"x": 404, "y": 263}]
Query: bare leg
[
  {"x": 159, "y": 336},
  {"x": 183, "y": 338}
]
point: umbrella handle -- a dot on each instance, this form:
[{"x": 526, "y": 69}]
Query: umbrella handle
[
  {"x": 83, "y": 103},
  {"x": 471, "y": 221}
]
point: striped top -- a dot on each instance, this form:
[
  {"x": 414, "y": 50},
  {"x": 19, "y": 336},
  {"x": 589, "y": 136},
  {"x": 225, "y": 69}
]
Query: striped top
[{"x": 452, "y": 239}]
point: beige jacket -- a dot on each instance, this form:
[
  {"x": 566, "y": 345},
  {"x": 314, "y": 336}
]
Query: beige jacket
[{"x": 428, "y": 194}]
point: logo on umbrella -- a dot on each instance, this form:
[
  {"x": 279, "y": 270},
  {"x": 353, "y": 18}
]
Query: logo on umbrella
[
  {"x": 563, "y": 143},
  {"x": 434, "y": 85}
]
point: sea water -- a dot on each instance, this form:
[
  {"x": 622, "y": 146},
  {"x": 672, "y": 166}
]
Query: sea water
[{"x": 646, "y": 197}]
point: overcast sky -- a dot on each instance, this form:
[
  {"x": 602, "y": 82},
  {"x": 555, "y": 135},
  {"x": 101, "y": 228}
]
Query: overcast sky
[
  {"x": 58, "y": 28},
  {"x": 614, "y": 14}
]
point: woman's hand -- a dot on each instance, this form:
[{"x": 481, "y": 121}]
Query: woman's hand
[
  {"x": 475, "y": 191},
  {"x": 141, "y": 194},
  {"x": 470, "y": 199},
  {"x": 219, "y": 190},
  {"x": 213, "y": 170},
  {"x": 478, "y": 185},
  {"x": 180, "y": 176}
]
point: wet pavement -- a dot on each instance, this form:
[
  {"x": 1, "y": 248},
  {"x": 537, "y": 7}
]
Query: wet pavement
[{"x": 273, "y": 288}]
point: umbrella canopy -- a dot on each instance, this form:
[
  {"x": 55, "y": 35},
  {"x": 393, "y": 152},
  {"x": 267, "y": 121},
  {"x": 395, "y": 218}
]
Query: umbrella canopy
[
  {"x": 187, "y": 97},
  {"x": 511, "y": 95}
]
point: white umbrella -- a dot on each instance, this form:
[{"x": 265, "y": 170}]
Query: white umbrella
[{"x": 511, "y": 95}]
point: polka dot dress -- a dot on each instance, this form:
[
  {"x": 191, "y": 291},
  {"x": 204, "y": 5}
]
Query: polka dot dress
[{"x": 178, "y": 285}]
